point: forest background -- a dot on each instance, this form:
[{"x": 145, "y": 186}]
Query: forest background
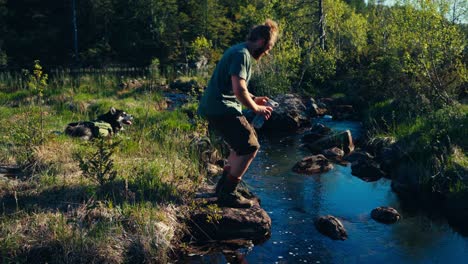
[{"x": 402, "y": 65}]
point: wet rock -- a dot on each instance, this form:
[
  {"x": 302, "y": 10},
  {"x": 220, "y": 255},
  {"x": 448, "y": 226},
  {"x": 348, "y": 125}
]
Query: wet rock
[
  {"x": 333, "y": 153},
  {"x": 385, "y": 214},
  {"x": 367, "y": 170},
  {"x": 290, "y": 115},
  {"x": 344, "y": 140},
  {"x": 312, "y": 165},
  {"x": 222, "y": 223},
  {"x": 331, "y": 227}
]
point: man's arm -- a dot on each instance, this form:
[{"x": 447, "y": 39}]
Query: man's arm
[{"x": 239, "y": 87}]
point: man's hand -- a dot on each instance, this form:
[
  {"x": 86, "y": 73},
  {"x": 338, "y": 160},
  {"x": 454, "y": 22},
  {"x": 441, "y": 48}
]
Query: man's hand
[
  {"x": 261, "y": 100},
  {"x": 264, "y": 111},
  {"x": 239, "y": 87}
]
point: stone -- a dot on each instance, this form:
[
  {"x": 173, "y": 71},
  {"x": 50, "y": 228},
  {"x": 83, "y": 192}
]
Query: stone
[
  {"x": 290, "y": 115},
  {"x": 367, "y": 170},
  {"x": 332, "y": 227},
  {"x": 333, "y": 153},
  {"x": 385, "y": 214},
  {"x": 312, "y": 165},
  {"x": 213, "y": 169},
  {"x": 343, "y": 140},
  {"x": 225, "y": 223}
]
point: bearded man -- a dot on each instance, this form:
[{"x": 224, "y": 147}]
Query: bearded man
[{"x": 221, "y": 104}]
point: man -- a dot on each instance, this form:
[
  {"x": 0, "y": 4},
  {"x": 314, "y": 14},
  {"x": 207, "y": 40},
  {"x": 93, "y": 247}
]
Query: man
[{"x": 221, "y": 105}]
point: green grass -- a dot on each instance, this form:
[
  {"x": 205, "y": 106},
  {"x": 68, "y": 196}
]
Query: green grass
[{"x": 56, "y": 209}]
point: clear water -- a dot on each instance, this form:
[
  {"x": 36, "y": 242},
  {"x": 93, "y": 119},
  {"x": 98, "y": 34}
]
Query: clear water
[{"x": 293, "y": 201}]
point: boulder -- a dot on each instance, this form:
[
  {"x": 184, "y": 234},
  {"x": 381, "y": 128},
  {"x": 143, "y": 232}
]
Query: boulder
[
  {"x": 209, "y": 222},
  {"x": 333, "y": 153},
  {"x": 367, "y": 170},
  {"x": 313, "y": 164},
  {"x": 290, "y": 115},
  {"x": 385, "y": 214},
  {"x": 343, "y": 140},
  {"x": 331, "y": 227}
]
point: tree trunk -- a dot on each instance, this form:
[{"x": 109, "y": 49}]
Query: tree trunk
[{"x": 321, "y": 25}]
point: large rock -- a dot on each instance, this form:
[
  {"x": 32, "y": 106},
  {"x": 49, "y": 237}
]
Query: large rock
[
  {"x": 343, "y": 140},
  {"x": 331, "y": 227},
  {"x": 312, "y": 165},
  {"x": 208, "y": 222},
  {"x": 335, "y": 154},
  {"x": 367, "y": 170},
  {"x": 384, "y": 214},
  {"x": 290, "y": 115}
]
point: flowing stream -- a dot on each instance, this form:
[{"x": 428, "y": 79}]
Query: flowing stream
[{"x": 293, "y": 201}]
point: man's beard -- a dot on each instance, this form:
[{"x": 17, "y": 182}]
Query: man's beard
[{"x": 259, "y": 52}]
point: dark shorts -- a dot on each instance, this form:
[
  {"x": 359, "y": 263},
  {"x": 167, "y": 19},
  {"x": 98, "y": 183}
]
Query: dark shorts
[{"x": 237, "y": 132}]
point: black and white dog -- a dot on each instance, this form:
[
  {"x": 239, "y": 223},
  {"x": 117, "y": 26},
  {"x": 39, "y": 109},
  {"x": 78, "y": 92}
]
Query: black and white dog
[{"x": 105, "y": 125}]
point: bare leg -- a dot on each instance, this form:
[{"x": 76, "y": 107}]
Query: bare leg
[{"x": 239, "y": 164}]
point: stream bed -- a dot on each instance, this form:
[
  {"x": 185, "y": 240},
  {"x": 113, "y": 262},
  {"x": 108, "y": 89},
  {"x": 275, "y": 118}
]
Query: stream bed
[{"x": 293, "y": 201}]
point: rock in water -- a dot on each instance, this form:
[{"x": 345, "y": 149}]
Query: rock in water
[
  {"x": 313, "y": 164},
  {"x": 232, "y": 223},
  {"x": 385, "y": 214},
  {"x": 344, "y": 140},
  {"x": 333, "y": 153},
  {"x": 367, "y": 170},
  {"x": 290, "y": 115},
  {"x": 331, "y": 227}
]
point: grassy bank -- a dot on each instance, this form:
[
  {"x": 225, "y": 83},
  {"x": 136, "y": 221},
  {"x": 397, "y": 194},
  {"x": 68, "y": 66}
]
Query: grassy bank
[
  {"x": 53, "y": 212},
  {"x": 431, "y": 139}
]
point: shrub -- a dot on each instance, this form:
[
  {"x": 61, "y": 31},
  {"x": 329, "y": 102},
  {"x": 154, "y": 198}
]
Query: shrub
[{"x": 96, "y": 164}]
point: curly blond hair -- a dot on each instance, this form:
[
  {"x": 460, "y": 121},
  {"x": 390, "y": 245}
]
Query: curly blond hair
[{"x": 268, "y": 31}]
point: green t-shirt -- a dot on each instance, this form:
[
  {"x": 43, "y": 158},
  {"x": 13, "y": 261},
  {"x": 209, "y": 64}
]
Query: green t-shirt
[{"x": 219, "y": 99}]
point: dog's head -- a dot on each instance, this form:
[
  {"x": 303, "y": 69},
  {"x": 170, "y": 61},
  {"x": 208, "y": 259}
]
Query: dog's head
[{"x": 116, "y": 118}]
